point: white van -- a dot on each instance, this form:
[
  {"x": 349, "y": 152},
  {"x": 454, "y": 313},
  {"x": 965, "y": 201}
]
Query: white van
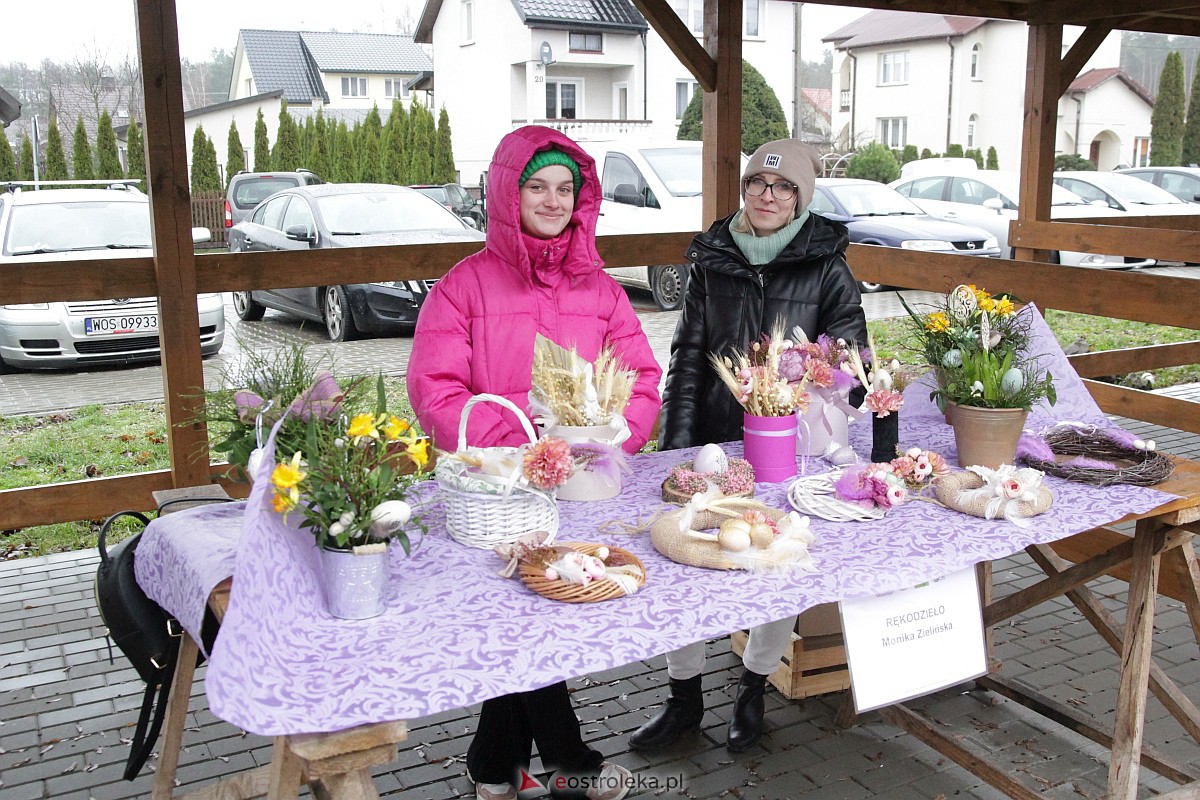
[
  {"x": 938, "y": 166},
  {"x": 650, "y": 187}
]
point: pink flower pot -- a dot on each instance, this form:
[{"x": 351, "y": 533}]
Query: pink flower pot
[{"x": 770, "y": 446}]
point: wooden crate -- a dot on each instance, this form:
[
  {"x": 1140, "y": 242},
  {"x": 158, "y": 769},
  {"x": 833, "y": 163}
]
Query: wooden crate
[{"x": 813, "y": 664}]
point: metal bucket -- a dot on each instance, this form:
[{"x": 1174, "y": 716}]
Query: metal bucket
[{"x": 355, "y": 585}]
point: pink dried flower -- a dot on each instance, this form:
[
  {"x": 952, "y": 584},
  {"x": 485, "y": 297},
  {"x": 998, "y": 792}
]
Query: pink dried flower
[
  {"x": 884, "y": 401},
  {"x": 792, "y": 365},
  {"x": 821, "y": 373},
  {"x": 547, "y": 463}
]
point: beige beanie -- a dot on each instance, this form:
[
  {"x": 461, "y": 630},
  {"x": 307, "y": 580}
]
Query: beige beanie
[{"x": 793, "y": 161}]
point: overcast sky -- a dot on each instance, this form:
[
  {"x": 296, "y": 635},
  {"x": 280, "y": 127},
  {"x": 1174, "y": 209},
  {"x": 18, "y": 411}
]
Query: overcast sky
[{"x": 65, "y": 29}]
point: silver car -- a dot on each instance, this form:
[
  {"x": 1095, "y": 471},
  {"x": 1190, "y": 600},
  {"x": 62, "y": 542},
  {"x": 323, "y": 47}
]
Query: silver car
[{"x": 85, "y": 224}]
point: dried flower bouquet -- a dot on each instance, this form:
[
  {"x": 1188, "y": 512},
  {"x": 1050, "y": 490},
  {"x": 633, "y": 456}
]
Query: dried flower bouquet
[{"x": 571, "y": 391}]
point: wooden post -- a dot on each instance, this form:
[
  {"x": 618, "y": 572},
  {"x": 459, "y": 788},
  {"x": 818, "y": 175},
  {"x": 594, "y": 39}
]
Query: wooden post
[
  {"x": 174, "y": 262},
  {"x": 723, "y": 110},
  {"x": 1042, "y": 91}
]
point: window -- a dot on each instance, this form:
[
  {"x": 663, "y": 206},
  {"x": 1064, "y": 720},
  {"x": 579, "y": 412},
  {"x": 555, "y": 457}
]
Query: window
[
  {"x": 752, "y": 17},
  {"x": 972, "y": 124},
  {"x": 684, "y": 91},
  {"x": 975, "y": 63},
  {"x": 395, "y": 87},
  {"x": 821, "y": 204},
  {"x": 298, "y": 213},
  {"x": 1141, "y": 151},
  {"x": 924, "y": 188},
  {"x": 893, "y": 67},
  {"x": 893, "y": 131},
  {"x": 466, "y": 22},
  {"x": 622, "y": 182},
  {"x": 969, "y": 190},
  {"x": 691, "y": 12},
  {"x": 586, "y": 42},
  {"x": 354, "y": 87},
  {"x": 561, "y": 100}
]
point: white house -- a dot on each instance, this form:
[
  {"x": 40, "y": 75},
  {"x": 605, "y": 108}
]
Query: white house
[
  {"x": 592, "y": 69},
  {"x": 932, "y": 80}
]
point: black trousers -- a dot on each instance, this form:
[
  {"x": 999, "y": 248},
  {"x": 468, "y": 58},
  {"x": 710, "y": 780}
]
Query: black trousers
[{"x": 510, "y": 725}]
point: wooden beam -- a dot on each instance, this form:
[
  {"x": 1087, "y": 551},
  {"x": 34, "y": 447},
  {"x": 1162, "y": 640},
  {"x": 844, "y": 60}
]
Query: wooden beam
[
  {"x": 723, "y": 110},
  {"x": 1158, "y": 409},
  {"x": 1164, "y": 245},
  {"x": 1182, "y": 222},
  {"x": 174, "y": 262},
  {"x": 1135, "y": 359},
  {"x": 1083, "y": 49},
  {"x": 681, "y": 41},
  {"x": 1077, "y": 12},
  {"x": 1042, "y": 91}
]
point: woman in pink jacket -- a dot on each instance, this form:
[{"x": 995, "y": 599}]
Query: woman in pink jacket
[{"x": 538, "y": 273}]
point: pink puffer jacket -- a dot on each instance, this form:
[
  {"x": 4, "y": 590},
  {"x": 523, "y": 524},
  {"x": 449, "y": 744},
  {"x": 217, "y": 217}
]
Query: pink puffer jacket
[{"x": 476, "y": 329}]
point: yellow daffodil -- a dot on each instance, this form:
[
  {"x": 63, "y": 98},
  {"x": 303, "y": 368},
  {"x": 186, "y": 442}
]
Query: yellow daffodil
[
  {"x": 362, "y": 427},
  {"x": 394, "y": 428},
  {"x": 1005, "y": 307},
  {"x": 937, "y": 322},
  {"x": 419, "y": 452},
  {"x": 987, "y": 304},
  {"x": 282, "y": 503},
  {"x": 980, "y": 294},
  {"x": 287, "y": 475}
]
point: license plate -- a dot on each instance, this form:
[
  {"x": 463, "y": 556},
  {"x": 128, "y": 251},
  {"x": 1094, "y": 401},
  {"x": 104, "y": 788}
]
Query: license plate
[{"x": 115, "y": 326}]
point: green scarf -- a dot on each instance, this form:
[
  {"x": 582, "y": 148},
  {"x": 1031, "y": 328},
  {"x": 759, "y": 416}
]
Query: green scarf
[{"x": 761, "y": 250}]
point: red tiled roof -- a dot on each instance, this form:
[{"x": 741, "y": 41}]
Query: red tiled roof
[
  {"x": 885, "y": 27},
  {"x": 1093, "y": 78},
  {"x": 820, "y": 99}
]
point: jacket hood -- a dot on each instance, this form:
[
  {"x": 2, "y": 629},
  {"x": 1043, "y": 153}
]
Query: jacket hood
[{"x": 504, "y": 201}]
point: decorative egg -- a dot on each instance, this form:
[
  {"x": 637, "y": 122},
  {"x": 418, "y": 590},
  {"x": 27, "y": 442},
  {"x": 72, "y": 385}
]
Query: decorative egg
[
  {"x": 734, "y": 535},
  {"x": 711, "y": 458},
  {"x": 762, "y": 535},
  {"x": 254, "y": 462},
  {"x": 1012, "y": 381},
  {"x": 391, "y": 515},
  {"x": 843, "y": 456},
  {"x": 952, "y": 359}
]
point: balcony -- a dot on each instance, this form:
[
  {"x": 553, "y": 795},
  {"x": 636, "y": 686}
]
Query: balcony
[
  {"x": 844, "y": 100},
  {"x": 594, "y": 128}
]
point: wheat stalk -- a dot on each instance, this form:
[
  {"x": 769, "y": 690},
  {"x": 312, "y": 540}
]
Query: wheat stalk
[{"x": 575, "y": 391}]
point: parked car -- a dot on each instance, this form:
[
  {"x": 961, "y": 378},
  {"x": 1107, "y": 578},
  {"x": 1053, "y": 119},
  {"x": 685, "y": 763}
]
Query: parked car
[
  {"x": 345, "y": 215},
  {"x": 248, "y": 189},
  {"x": 1183, "y": 182},
  {"x": 457, "y": 199},
  {"x": 650, "y": 187},
  {"x": 86, "y": 224},
  {"x": 1125, "y": 193},
  {"x": 988, "y": 199},
  {"x": 879, "y": 215}
]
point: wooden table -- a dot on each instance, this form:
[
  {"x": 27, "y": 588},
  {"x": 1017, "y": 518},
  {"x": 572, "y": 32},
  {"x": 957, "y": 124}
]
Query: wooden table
[
  {"x": 1157, "y": 558},
  {"x": 333, "y": 765}
]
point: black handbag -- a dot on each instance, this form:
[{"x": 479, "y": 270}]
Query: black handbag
[{"x": 148, "y": 636}]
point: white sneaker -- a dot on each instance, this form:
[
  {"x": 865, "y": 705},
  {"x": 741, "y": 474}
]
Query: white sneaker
[
  {"x": 495, "y": 791},
  {"x": 614, "y": 783}
]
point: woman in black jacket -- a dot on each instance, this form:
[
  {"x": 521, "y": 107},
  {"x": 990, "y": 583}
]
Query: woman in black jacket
[{"x": 771, "y": 262}]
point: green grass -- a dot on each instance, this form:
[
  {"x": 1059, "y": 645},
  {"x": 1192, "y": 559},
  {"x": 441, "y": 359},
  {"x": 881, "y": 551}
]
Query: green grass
[{"x": 96, "y": 441}]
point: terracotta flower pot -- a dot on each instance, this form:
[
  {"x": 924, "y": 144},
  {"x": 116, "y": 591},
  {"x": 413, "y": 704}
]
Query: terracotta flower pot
[{"x": 987, "y": 437}]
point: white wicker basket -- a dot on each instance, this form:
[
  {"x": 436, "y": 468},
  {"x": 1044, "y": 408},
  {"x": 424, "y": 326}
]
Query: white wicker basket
[{"x": 482, "y": 514}]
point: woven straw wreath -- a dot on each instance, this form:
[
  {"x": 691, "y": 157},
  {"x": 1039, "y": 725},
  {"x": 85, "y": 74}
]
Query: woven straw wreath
[
  {"x": 535, "y": 578},
  {"x": 950, "y": 489}
]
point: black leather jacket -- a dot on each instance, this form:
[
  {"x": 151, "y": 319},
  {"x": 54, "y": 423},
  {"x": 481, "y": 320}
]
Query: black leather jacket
[{"x": 730, "y": 303}]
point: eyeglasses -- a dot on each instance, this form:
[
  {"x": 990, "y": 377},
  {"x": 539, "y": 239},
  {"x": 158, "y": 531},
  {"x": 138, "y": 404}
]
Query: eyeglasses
[{"x": 783, "y": 190}]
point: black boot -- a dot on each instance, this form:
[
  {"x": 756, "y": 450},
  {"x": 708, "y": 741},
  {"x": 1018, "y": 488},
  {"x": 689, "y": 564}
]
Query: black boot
[
  {"x": 681, "y": 715},
  {"x": 746, "y": 727}
]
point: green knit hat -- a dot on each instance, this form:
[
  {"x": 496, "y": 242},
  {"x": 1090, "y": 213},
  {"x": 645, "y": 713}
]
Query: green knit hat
[{"x": 546, "y": 158}]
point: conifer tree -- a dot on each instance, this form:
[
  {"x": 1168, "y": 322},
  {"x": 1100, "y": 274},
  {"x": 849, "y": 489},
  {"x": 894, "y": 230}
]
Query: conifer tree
[
  {"x": 1190, "y": 154},
  {"x": 762, "y": 115},
  {"x": 369, "y": 148},
  {"x": 395, "y": 154},
  {"x": 954, "y": 151},
  {"x": 262, "y": 145},
  {"x": 56, "y": 157},
  {"x": 235, "y": 155},
  {"x": 926, "y": 152},
  {"x": 318, "y": 147},
  {"x": 908, "y": 154},
  {"x": 976, "y": 154},
  {"x": 206, "y": 177},
  {"x": 993, "y": 161},
  {"x": 81, "y": 164},
  {"x": 287, "y": 154},
  {"x": 8, "y": 161},
  {"x": 342, "y": 156},
  {"x": 304, "y": 137},
  {"x": 107, "y": 156},
  {"x": 421, "y": 163},
  {"x": 874, "y": 162},
  {"x": 1167, "y": 119},
  {"x": 26, "y": 158},
  {"x": 443, "y": 152},
  {"x": 136, "y": 152}
]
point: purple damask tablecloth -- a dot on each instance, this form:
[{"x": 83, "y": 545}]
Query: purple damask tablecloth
[{"x": 455, "y": 633}]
